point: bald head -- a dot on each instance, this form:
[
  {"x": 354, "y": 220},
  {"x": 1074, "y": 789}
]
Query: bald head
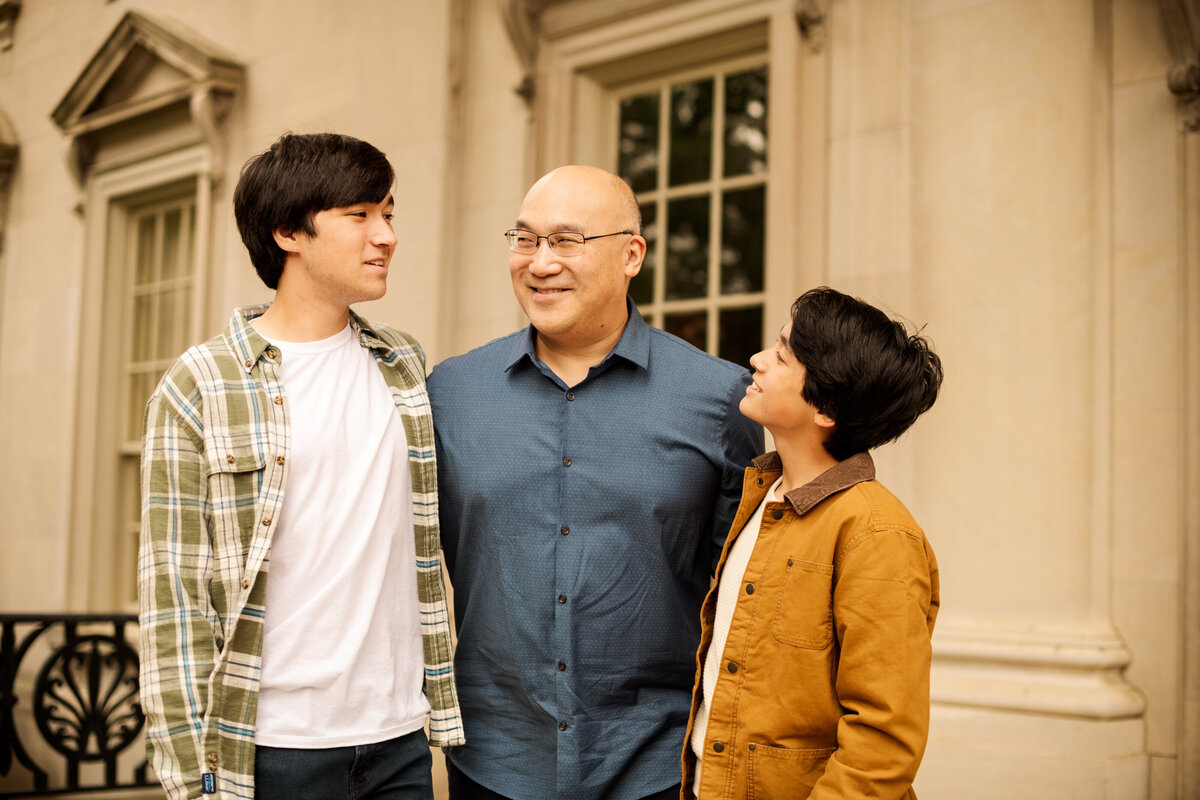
[{"x": 608, "y": 195}]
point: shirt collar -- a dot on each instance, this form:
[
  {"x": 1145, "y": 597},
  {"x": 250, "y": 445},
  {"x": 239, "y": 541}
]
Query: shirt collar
[
  {"x": 250, "y": 344},
  {"x": 857, "y": 468},
  {"x": 633, "y": 346}
]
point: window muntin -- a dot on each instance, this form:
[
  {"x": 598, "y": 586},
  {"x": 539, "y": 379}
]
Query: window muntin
[
  {"x": 694, "y": 148},
  {"x": 157, "y": 302}
]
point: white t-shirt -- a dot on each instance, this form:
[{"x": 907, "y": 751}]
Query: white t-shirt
[
  {"x": 342, "y": 656},
  {"x": 728, "y": 591}
]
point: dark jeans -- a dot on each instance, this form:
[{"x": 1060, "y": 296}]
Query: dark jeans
[
  {"x": 463, "y": 788},
  {"x": 398, "y": 769}
]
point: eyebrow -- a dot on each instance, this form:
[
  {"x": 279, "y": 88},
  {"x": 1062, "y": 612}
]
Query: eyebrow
[{"x": 564, "y": 227}]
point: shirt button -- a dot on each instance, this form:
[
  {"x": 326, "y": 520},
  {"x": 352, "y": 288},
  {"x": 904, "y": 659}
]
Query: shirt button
[
  {"x": 718, "y": 747},
  {"x": 272, "y": 352},
  {"x": 212, "y": 758},
  {"x": 562, "y": 666},
  {"x": 280, "y": 460},
  {"x": 230, "y": 458},
  {"x": 733, "y": 666},
  {"x": 566, "y": 462},
  {"x": 562, "y": 598},
  {"x": 245, "y": 584},
  {"x": 777, "y": 514},
  {"x": 564, "y": 530},
  {"x": 749, "y": 588},
  {"x": 562, "y": 726},
  {"x": 249, "y": 363},
  {"x": 278, "y": 400},
  {"x": 570, "y": 395},
  {"x": 266, "y": 521}
]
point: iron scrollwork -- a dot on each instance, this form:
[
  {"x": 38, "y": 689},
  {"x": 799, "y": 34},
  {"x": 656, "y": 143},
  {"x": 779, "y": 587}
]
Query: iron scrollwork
[{"x": 84, "y": 701}]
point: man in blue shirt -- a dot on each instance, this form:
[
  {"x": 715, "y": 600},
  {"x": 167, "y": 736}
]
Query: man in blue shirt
[{"x": 589, "y": 468}]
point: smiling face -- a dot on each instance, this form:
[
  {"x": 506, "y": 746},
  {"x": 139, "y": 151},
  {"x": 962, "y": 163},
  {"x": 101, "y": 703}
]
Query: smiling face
[
  {"x": 774, "y": 398},
  {"x": 577, "y": 301},
  {"x": 346, "y": 261}
]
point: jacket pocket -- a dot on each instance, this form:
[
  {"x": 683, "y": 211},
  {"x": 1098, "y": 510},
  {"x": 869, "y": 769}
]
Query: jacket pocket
[
  {"x": 775, "y": 773},
  {"x": 804, "y": 612}
]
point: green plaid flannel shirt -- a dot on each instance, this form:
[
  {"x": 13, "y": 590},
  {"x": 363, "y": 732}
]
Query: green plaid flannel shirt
[{"x": 214, "y": 469}]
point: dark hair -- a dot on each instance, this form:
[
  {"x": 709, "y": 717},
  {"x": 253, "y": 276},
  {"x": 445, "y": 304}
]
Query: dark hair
[
  {"x": 864, "y": 370},
  {"x": 298, "y": 176}
]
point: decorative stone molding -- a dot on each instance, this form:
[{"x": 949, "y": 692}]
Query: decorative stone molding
[
  {"x": 521, "y": 21},
  {"x": 1062, "y": 673},
  {"x": 9, "y": 11},
  {"x": 9, "y": 151},
  {"x": 810, "y": 19},
  {"x": 1181, "y": 19},
  {"x": 147, "y": 69}
]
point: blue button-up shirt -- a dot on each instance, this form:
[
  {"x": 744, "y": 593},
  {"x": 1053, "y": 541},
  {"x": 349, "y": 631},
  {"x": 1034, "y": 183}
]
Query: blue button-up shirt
[{"x": 580, "y": 526}]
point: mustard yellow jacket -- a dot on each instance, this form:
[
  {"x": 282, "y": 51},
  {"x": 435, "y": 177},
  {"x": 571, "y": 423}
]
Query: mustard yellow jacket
[{"x": 824, "y": 683}]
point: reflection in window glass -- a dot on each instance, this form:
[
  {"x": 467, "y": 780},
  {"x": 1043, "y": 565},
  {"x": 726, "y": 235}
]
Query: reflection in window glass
[
  {"x": 741, "y": 334},
  {"x": 641, "y": 288},
  {"x": 691, "y": 132},
  {"x": 692, "y": 327},
  {"x": 638, "y": 156},
  {"x": 742, "y": 232},
  {"x": 687, "y": 248},
  {"x": 746, "y": 122}
]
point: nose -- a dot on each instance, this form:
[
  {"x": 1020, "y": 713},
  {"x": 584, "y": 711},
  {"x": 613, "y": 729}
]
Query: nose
[
  {"x": 543, "y": 261},
  {"x": 756, "y": 360},
  {"x": 382, "y": 235}
]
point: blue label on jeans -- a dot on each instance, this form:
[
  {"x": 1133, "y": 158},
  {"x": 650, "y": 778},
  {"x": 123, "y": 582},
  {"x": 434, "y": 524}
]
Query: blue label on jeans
[{"x": 208, "y": 783}]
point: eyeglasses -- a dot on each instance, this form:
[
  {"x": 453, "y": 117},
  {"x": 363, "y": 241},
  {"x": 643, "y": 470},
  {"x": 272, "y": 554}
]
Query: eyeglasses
[{"x": 563, "y": 243}]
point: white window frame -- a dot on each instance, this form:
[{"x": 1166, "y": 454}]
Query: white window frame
[
  {"x": 583, "y": 67},
  {"x": 102, "y": 561}
]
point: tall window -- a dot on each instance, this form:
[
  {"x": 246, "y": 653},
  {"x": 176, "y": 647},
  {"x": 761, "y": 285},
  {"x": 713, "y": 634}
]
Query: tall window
[
  {"x": 694, "y": 148},
  {"x": 158, "y": 298}
]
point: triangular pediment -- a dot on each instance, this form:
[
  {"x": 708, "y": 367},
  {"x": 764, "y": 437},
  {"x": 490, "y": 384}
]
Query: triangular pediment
[{"x": 145, "y": 65}]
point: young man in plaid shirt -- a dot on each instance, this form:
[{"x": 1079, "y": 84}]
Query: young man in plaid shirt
[{"x": 297, "y": 443}]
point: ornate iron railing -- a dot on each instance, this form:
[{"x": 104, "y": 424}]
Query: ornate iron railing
[{"x": 83, "y": 700}]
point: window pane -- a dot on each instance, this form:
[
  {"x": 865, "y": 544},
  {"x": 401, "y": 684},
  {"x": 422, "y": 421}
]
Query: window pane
[
  {"x": 687, "y": 248},
  {"x": 144, "y": 272},
  {"x": 746, "y": 122},
  {"x": 639, "y": 141},
  {"x": 641, "y": 288},
  {"x": 691, "y": 132},
  {"x": 170, "y": 246},
  {"x": 740, "y": 334},
  {"x": 174, "y": 319},
  {"x": 692, "y": 327},
  {"x": 141, "y": 384},
  {"x": 742, "y": 233},
  {"x": 139, "y": 349}
]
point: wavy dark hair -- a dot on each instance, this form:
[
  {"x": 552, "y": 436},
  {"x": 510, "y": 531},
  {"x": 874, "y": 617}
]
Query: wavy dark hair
[
  {"x": 864, "y": 370},
  {"x": 298, "y": 176}
]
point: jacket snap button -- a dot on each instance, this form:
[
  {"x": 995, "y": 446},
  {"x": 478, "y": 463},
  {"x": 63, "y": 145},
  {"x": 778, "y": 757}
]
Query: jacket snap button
[
  {"x": 752, "y": 746},
  {"x": 777, "y": 514},
  {"x": 733, "y": 666},
  {"x": 760, "y": 481},
  {"x": 749, "y": 588},
  {"x": 718, "y": 747}
]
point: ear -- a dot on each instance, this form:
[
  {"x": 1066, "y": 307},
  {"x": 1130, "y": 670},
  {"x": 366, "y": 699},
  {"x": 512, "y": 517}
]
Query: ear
[
  {"x": 635, "y": 253},
  {"x": 823, "y": 420},
  {"x": 286, "y": 239}
]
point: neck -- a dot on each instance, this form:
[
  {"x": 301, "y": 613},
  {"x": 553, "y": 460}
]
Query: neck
[
  {"x": 572, "y": 360},
  {"x": 803, "y": 458},
  {"x": 295, "y": 319}
]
